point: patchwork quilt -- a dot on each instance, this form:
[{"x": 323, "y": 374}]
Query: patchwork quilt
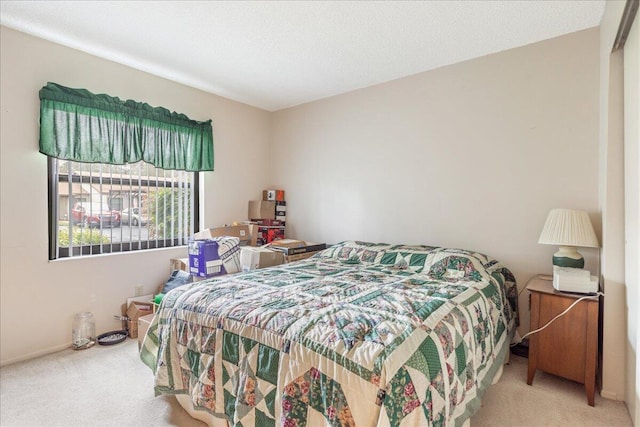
[{"x": 360, "y": 334}]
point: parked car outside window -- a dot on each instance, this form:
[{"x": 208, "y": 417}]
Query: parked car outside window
[
  {"x": 132, "y": 216},
  {"x": 95, "y": 214}
]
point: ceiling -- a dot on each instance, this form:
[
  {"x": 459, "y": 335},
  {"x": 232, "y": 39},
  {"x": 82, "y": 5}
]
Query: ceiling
[{"x": 275, "y": 54}]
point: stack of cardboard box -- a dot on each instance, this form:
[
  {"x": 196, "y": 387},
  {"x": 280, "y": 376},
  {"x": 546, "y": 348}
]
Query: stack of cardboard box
[
  {"x": 266, "y": 225},
  {"x": 241, "y": 231},
  {"x": 280, "y": 206},
  {"x": 214, "y": 257},
  {"x": 269, "y": 214},
  {"x": 249, "y": 256},
  {"x": 136, "y": 310},
  {"x": 214, "y": 251}
]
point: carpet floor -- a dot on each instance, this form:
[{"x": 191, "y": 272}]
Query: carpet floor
[{"x": 109, "y": 386}]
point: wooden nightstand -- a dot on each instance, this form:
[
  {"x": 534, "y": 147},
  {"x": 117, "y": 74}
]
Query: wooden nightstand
[{"x": 569, "y": 346}]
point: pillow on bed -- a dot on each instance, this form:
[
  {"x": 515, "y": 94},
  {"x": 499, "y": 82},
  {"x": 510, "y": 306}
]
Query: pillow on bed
[
  {"x": 353, "y": 251},
  {"x": 439, "y": 263},
  {"x": 403, "y": 257}
]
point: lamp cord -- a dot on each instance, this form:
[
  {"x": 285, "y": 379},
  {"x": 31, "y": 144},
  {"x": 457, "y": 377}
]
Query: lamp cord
[{"x": 559, "y": 315}]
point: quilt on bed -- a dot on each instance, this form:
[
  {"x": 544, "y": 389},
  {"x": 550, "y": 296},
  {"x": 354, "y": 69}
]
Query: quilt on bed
[{"x": 360, "y": 334}]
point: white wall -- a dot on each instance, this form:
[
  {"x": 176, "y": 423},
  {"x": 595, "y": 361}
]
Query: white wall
[
  {"x": 470, "y": 155},
  {"x": 632, "y": 211},
  {"x": 38, "y": 298},
  {"x": 611, "y": 178},
  {"x": 620, "y": 362}
]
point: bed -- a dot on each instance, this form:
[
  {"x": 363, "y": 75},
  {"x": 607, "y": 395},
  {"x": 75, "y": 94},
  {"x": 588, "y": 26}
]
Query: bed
[{"x": 360, "y": 334}]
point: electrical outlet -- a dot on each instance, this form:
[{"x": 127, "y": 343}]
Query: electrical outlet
[{"x": 138, "y": 290}]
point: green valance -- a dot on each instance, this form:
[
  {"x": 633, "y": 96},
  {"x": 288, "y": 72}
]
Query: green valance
[{"x": 78, "y": 125}]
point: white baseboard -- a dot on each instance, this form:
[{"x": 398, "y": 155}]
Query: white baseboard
[
  {"x": 609, "y": 395},
  {"x": 35, "y": 354}
]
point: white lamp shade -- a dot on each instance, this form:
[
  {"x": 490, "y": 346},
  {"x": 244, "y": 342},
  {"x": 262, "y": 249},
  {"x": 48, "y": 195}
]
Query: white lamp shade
[{"x": 567, "y": 227}]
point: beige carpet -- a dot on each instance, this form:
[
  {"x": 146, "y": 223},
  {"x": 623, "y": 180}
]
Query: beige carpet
[{"x": 109, "y": 386}]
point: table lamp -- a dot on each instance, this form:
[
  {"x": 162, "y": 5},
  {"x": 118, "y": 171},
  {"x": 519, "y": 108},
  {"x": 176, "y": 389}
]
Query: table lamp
[{"x": 568, "y": 229}]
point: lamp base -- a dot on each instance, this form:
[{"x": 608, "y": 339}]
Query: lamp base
[{"x": 568, "y": 256}]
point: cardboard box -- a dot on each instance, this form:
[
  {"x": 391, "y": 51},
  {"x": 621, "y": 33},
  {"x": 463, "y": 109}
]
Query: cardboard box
[
  {"x": 178, "y": 264},
  {"x": 288, "y": 243},
  {"x": 143, "y": 326},
  {"x": 213, "y": 257},
  {"x": 261, "y": 209},
  {"x": 138, "y": 309},
  {"x": 132, "y": 327},
  {"x": 269, "y": 234},
  {"x": 242, "y": 232},
  {"x": 273, "y": 195},
  {"x": 255, "y": 258},
  {"x": 253, "y": 230},
  {"x": 135, "y": 311},
  {"x": 259, "y": 230}
]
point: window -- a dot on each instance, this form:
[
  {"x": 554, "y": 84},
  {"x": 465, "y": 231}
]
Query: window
[
  {"x": 123, "y": 176},
  {"x": 98, "y": 208}
]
